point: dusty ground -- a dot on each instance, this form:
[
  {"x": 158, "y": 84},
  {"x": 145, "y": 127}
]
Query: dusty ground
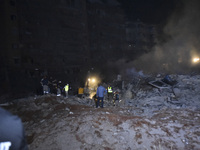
[
  {"x": 152, "y": 120},
  {"x": 65, "y": 126}
]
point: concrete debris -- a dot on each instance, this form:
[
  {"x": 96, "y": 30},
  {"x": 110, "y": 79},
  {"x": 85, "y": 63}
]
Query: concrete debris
[
  {"x": 148, "y": 117},
  {"x": 159, "y": 84}
]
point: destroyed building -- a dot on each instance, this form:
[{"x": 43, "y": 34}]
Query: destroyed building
[
  {"x": 155, "y": 111},
  {"x": 107, "y": 31},
  {"x": 43, "y": 38},
  {"x": 140, "y": 37},
  {"x": 57, "y": 39}
]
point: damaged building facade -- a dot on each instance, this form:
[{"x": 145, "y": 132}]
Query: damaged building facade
[
  {"x": 47, "y": 38},
  {"x": 61, "y": 39},
  {"x": 107, "y": 31},
  {"x": 140, "y": 38}
]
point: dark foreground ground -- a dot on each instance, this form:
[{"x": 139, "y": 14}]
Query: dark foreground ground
[{"x": 56, "y": 123}]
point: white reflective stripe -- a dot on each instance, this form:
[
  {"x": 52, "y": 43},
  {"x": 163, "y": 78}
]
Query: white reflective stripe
[
  {"x": 109, "y": 90},
  {"x": 5, "y": 145}
]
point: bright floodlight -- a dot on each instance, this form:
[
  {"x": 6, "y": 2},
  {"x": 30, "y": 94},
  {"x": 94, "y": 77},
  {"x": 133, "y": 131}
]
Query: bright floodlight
[
  {"x": 93, "y": 80},
  {"x": 196, "y": 59}
]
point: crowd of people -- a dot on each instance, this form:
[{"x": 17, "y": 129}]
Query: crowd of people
[{"x": 54, "y": 86}]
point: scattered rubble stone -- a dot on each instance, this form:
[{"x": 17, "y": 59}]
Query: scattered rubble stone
[{"x": 147, "y": 118}]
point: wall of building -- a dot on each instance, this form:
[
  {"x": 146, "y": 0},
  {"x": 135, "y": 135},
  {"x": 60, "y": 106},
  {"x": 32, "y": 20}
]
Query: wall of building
[
  {"x": 10, "y": 51},
  {"x": 63, "y": 39},
  {"x": 43, "y": 38},
  {"x": 107, "y": 31},
  {"x": 140, "y": 38},
  {"x": 54, "y": 34}
]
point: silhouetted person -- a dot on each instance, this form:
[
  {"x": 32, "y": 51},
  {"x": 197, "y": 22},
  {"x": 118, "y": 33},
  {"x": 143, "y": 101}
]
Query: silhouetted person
[
  {"x": 116, "y": 98},
  {"x": 45, "y": 86},
  {"x": 100, "y": 95},
  {"x": 12, "y": 135}
]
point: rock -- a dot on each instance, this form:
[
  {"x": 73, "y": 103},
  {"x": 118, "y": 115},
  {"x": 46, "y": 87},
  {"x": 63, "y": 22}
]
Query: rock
[
  {"x": 177, "y": 92},
  {"x": 128, "y": 95}
]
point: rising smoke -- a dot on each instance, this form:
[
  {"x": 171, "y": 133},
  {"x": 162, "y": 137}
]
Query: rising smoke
[{"x": 175, "y": 55}]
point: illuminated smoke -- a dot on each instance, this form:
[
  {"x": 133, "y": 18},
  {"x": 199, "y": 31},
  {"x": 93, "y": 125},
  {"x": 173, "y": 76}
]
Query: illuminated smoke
[{"x": 176, "y": 55}]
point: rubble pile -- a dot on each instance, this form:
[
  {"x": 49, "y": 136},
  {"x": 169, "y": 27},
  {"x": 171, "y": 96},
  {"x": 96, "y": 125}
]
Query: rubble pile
[
  {"x": 184, "y": 94},
  {"x": 148, "y": 118}
]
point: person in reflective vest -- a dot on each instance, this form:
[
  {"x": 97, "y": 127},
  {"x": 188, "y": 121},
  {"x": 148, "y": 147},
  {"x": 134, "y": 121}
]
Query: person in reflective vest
[
  {"x": 110, "y": 93},
  {"x": 66, "y": 88}
]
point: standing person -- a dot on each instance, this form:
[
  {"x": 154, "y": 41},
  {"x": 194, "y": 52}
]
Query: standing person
[
  {"x": 12, "y": 136},
  {"x": 116, "y": 100},
  {"x": 110, "y": 93},
  {"x": 95, "y": 99},
  {"x": 54, "y": 88},
  {"x": 50, "y": 85},
  {"x": 100, "y": 95},
  {"x": 66, "y": 88},
  {"x": 45, "y": 86},
  {"x": 58, "y": 90}
]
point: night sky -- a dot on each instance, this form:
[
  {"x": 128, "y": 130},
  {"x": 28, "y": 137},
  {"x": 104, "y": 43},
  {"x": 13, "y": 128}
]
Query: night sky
[{"x": 149, "y": 11}]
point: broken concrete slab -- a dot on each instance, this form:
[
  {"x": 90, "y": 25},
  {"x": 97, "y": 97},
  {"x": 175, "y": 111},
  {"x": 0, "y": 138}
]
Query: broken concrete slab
[{"x": 159, "y": 84}]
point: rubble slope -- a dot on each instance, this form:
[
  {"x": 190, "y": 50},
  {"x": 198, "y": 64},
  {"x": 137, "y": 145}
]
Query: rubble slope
[{"x": 152, "y": 119}]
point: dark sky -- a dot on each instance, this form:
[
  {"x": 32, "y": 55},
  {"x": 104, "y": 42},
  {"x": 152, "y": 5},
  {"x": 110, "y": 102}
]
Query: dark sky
[{"x": 149, "y": 11}]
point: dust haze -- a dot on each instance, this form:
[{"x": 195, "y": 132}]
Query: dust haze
[{"x": 182, "y": 31}]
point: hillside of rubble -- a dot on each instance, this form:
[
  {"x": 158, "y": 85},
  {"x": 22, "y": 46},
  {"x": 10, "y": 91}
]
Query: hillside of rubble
[{"x": 149, "y": 117}]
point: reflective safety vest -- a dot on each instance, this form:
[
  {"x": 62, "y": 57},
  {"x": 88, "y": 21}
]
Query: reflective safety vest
[
  {"x": 66, "y": 87},
  {"x": 110, "y": 90}
]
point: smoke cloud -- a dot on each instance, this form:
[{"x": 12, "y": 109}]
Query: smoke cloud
[{"x": 175, "y": 55}]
